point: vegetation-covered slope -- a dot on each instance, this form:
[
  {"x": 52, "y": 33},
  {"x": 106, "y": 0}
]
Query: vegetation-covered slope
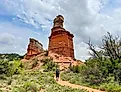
[
  {"x": 10, "y": 57},
  {"x": 15, "y": 78}
]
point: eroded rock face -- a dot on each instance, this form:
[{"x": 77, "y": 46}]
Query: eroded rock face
[
  {"x": 64, "y": 62},
  {"x": 60, "y": 40},
  {"x": 60, "y": 49},
  {"x": 34, "y": 48}
]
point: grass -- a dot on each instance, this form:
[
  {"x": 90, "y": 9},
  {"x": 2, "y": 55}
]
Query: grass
[
  {"x": 33, "y": 81},
  {"x": 76, "y": 78}
]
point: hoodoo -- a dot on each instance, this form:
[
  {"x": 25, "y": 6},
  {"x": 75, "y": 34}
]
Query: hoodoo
[
  {"x": 61, "y": 40},
  {"x": 60, "y": 48}
]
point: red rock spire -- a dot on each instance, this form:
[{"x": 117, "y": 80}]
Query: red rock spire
[
  {"x": 60, "y": 40},
  {"x": 58, "y": 21}
]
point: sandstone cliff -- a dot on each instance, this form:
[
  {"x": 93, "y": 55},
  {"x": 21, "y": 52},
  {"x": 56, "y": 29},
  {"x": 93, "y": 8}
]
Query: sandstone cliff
[{"x": 34, "y": 48}]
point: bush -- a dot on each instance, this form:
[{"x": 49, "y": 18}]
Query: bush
[
  {"x": 9, "y": 81},
  {"x": 4, "y": 66},
  {"x": 20, "y": 89},
  {"x": 15, "y": 67},
  {"x": 29, "y": 86},
  {"x": 75, "y": 69},
  {"x": 117, "y": 74},
  {"x": 30, "y": 64},
  {"x": 111, "y": 87},
  {"x": 34, "y": 64},
  {"x": 45, "y": 61},
  {"x": 3, "y": 77},
  {"x": 92, "y": 73},
  {"x": 49, "y": 65},
  {"x": 10, "y": 68}
]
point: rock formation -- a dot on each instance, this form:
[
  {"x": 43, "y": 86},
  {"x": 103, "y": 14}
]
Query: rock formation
[
  {"x": 60, "y": 40},
  {"x": 60, "y": 48},
  {"x": 34, "y": 48}
]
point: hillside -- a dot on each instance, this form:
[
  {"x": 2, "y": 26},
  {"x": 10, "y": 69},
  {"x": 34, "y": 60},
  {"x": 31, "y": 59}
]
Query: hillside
[
  {"x": 10, "y": 57},
  {"x": 20, "y": 79}
]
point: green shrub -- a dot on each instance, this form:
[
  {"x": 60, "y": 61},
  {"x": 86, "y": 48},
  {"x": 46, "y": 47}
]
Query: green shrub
[
  {"x": 2, "y": 77},
  {"x": 20, "y": 89},
  {"x": 75, "y": 69},
  {"x": 111, "y": 87},
  {"x": 27, "y": 65},
  {"x": 49, "y": 65},
  {"x": 117, "y": 74},
  {"x": 96, "y": 71},
  {"x": 45, "y": 61},
  {"x": 15, "y": 67},
  {"x": 74, "y": 78},
  {"x": 9, "y": 81},
  {"x": 34, "y": 63},
  {"x": 29, "y": 86},
  {"x": 4, "y": 65},
  {"x": 10, "y": 68},
  {"x": 92, "y": 75}
]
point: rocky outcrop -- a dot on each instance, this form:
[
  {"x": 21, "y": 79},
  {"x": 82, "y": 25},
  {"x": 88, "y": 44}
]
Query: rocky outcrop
[
  {"x": 64, "y": 62},
  {"x": 34, "y": 48},
  {"x": 60, "y": 48},
  {"x": 60, "y": 40}
]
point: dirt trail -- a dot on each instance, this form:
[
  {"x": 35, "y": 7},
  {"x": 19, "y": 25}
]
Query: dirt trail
[{"x": 66, "y": 83}]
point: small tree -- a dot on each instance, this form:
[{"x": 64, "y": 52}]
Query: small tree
[
  {"x": 110, "y": 49},
  {"x": 15, "y": 67},
  {"x": 106, "y": 60}
]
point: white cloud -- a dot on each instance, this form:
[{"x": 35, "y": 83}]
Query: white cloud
[
  {"x": 6, "y": 39},
  {"x": 81, "y": 51},
  {"x": 14, "y": 39}
]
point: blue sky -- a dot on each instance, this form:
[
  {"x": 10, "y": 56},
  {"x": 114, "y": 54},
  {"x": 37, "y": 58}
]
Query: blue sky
[{"x": 22, "y": 19}]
